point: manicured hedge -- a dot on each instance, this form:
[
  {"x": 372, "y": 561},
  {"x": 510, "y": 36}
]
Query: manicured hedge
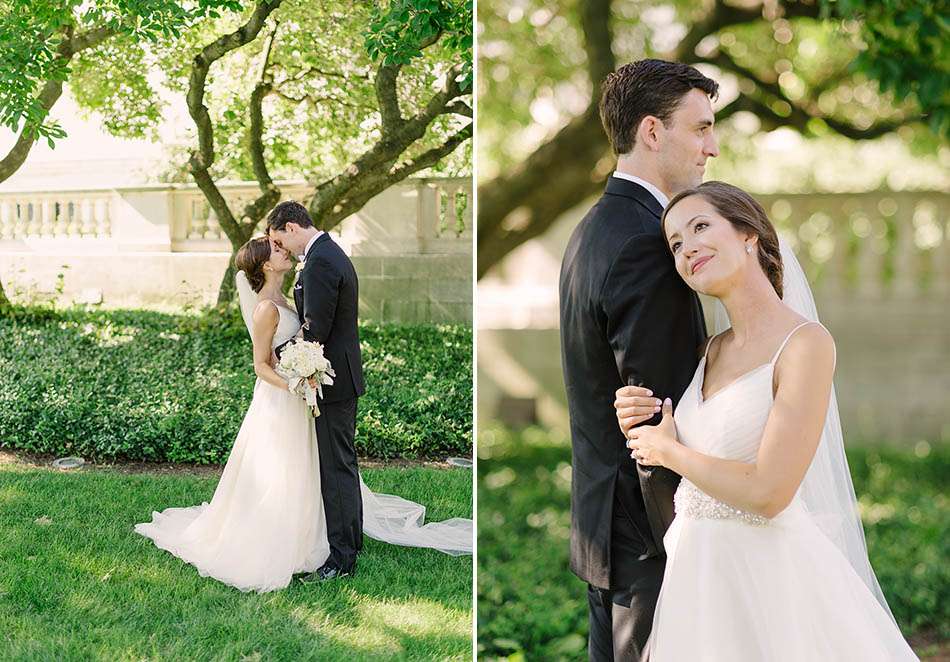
[{"x": 143, "y": 385}]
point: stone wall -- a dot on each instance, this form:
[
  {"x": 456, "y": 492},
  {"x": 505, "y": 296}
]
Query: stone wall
[{"x": 161, "y": 246}]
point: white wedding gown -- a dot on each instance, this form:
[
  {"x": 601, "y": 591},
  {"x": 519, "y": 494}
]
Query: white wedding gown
[
  {"x": 742, "y": 588},
  {"x": 266, "y": 519}
]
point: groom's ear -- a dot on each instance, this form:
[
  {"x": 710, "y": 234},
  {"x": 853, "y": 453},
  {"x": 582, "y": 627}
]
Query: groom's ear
[{"x": 647, "y": 133}]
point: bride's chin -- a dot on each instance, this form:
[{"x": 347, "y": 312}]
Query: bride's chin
[{"x": 705, "y": 287}]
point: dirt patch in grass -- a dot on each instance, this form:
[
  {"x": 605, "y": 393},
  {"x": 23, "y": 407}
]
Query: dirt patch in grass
[
  {"x": 930, "y": 646},
  {"x": 38, "y": 461}
]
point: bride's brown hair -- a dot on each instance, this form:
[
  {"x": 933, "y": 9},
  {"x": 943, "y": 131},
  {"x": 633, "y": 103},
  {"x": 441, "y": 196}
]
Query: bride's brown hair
[
  {"x": 250, "y": 259},
  {"x": 746, "y": 215}
]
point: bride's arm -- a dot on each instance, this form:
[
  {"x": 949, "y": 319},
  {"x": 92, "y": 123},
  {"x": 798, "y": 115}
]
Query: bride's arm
[
  {"x": 803, "y": 377},
  {"x": 266, "y": 318}
]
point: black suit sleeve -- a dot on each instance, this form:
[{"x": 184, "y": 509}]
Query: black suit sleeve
[
  {"x": 642, "y": 299},
  {"x": 319, "y": 300}
]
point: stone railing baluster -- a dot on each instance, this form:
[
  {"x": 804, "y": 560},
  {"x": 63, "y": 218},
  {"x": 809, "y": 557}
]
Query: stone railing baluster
[
  {"x": 906, "y": 257},
  {"x": 7, "y": 208},
  {"x": 468, "y": 219}
]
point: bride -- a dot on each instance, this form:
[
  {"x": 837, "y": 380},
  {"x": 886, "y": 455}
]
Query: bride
[
  {"x": 266, "y": 520},
  {"x": 765, "y": 557}
]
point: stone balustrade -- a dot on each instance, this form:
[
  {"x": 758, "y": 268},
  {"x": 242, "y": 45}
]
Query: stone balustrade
[
  {"x": 869, "y": 245},
  {"x": 412, "y": 245},
  {"x": 80, "y": 214},
  {"x": 434, "y": 213}
]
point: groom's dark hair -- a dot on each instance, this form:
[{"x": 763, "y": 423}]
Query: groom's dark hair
[
  {"x": 646, "y": 87},
  {"x": 286, "y": 212}
]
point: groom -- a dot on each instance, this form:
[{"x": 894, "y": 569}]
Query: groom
[
  {"x": 327, "y": 298},
  {"x": 628, "y": 319}
]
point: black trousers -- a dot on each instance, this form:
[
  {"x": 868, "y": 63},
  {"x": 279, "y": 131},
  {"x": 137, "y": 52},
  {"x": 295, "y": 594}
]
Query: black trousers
[
  {"x": 340, "y": 481},
  {"x": 621, "y": 620}
]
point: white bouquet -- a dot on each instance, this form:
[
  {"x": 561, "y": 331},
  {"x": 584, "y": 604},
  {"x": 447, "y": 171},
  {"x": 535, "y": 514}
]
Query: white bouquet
[{"x": 306, "y": 370}]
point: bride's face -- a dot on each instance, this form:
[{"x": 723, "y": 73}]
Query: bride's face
[
  {"x": 279, "y": 260},
  {"x": 710, "y": 254}
]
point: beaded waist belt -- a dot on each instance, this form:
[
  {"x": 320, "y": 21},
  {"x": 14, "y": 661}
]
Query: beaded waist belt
[{"x": 690, "y": 501}]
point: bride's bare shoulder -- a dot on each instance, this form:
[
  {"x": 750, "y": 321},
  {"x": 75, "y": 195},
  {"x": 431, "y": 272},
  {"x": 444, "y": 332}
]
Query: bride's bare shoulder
[
  {"x": 810, "y": 348},
  {"x": 266, "y": 313}
]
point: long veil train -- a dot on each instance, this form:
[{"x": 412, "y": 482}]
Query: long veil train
[{"x": 386, "y": 517}]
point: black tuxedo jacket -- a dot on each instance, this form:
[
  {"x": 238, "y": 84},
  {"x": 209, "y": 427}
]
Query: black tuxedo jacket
[
  {"x": 626, "y": 318},
  {"x": 327, "y": 300}
]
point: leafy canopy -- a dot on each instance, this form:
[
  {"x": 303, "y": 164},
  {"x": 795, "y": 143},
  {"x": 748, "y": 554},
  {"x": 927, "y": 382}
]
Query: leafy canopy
[
  {"x": 906, "y": 49},
  {"x": 39, "y": 35},
  {"x": 320, "y": 110}
]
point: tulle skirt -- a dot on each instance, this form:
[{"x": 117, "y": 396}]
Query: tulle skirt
[
  {"x": 736, "y": 592},
  {"x": 266, "y": 519}
]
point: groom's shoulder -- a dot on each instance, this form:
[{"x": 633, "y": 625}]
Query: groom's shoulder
[
  {"x": 329, "y": 251},
  {"x": 611, "y": 223}
]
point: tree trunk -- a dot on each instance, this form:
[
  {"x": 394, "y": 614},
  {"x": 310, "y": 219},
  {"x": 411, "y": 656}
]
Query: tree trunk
[
  {"x": 227, "y": 288},
  {"x": 200, "y": 161}
]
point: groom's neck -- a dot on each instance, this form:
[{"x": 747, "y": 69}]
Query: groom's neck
[
  {"x": 308, "y": 235},
  {"x": 643, "y": 168}
]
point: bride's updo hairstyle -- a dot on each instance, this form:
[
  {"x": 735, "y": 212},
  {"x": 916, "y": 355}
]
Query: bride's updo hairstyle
[
  {"x": 250, "y": 259},
  {"x": 746, "y": 215}
]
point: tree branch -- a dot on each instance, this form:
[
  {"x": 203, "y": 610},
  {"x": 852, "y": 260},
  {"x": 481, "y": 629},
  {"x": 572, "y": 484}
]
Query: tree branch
[
  {"x": 800, "y": 115},
  {"x": 386, "y": 89},
  {"x": 201, "y": 161},
  {"x": 387, "y": 97},
  {"x": 723, "y": 15},
  {"x": 375, "y": 182},
  {"x": 511, "y": 209},
  {"x": 310, "y": 71},
  {"x": 373, "y": 171},
  {"x": 432, "y": 156},
  {"x": 598, "y": 41},
  {"x": 70, "y": 45},
  {"x": 437, "y": 104},
  {"x": 556, "y": 177},
  {"x": 270, "y": 194},
  {"x": 89, "y": 39},
  {"x": 316, "y": 100},
  {"x": 457, "y": 108}
]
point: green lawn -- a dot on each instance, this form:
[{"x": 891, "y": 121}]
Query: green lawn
[
  {"x": 530, "y": 606},
  {"x": 76, "y": 583}
]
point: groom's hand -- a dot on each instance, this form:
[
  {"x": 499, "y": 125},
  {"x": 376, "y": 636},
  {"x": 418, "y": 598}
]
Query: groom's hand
[{"x": 634, "y": 405}]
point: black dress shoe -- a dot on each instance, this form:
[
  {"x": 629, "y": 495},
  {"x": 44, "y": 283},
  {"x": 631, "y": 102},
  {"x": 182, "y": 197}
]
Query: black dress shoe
[{"x": 325, "y": 573}]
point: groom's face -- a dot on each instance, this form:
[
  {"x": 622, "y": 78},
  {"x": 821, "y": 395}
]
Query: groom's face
[
  {"x": 290, "y": 239},
  {"x": 687, "y": 141}
]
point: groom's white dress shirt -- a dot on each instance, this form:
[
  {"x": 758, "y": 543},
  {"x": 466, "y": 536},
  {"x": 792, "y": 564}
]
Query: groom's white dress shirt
[
  {"x": 306, "y": 250},
  {"x": 657, "y": 193}
]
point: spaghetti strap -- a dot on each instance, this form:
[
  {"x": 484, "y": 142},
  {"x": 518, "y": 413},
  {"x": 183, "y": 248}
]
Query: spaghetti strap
[
  {"x": 709, "y": 342},
  {"x": 789, "y": 337}
]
